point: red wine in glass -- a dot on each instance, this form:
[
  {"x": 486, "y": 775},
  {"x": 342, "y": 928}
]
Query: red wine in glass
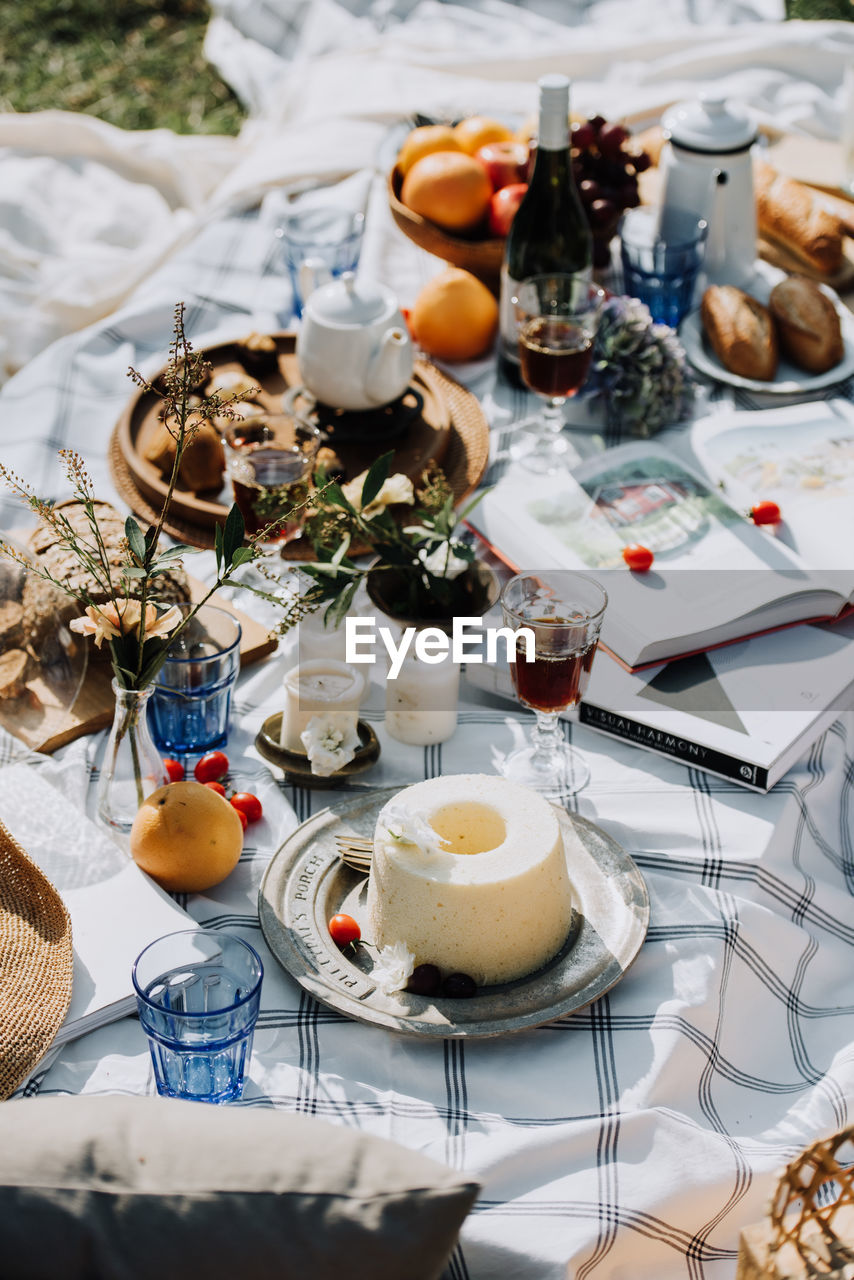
[
  {"x": 553, "y": 681},
  {"x": 555, "y": 356}
]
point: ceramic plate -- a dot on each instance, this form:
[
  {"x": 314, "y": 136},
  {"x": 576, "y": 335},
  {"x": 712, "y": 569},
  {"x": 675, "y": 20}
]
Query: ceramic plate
[
  {"x": 306, "y": 883},
  {"x": 789, "y": 380}
]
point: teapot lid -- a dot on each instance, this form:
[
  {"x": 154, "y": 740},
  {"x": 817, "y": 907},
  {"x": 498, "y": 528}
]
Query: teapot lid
[
  {"x": 710, "y": 124},
  {"x": 342, "y": 302}
]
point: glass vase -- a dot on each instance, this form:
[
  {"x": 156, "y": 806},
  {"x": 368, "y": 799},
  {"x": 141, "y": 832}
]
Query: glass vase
[{"x": 132, "y": 766}]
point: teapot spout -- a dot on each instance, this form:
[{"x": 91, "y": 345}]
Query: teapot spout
[{"x": 390, "y": 368}]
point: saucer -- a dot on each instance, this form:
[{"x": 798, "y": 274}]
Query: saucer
[{"x": 296, "y": 767}]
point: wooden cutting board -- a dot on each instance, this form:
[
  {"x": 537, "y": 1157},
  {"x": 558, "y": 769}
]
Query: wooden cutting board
[{"x": 46, "y": 728}]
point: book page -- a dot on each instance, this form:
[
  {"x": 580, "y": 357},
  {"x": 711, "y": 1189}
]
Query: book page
[
  {"x": 115, "y": 909},
  {"x": 802, "y": 458}
]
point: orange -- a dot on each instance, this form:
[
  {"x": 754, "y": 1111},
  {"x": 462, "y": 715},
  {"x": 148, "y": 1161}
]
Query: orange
[
  {"x": 476, "y": 131},
  {"x": 186, "y": 837},
  {"x": 449, "y": 188},
  {"x": 455, "y": 317},
  {"x": 424, "y": 140}
]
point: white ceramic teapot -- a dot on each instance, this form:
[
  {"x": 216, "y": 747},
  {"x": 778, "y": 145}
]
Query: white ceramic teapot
[
  {"x": 707, "y": 170},
  {"x": 353, "y": 349}
]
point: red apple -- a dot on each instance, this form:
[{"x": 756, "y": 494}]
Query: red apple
[
  {"x": 504, "y": 162},
  {"x": 503, "y": 206}
]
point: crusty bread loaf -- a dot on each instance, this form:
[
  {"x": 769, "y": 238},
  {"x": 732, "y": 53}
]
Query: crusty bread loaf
[
  {"x": 807, "y": 323},
  {"x": 790, "y": 213},
  {"x": 203, "y": 459},
  {"x": 741, "y": 332}
]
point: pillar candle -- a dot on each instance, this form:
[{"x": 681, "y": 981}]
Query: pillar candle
[{"x": 320, "y": 687}]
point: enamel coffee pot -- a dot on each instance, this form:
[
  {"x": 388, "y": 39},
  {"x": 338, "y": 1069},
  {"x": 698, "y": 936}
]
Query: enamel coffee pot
[{"x": 707, "y": 170}]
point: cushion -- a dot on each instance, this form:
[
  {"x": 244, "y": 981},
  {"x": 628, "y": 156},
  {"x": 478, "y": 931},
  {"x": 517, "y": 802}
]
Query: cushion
[{"x": 135, "y": 1188}]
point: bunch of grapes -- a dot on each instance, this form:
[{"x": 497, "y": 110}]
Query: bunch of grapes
[{"x": 606, "y": 175}]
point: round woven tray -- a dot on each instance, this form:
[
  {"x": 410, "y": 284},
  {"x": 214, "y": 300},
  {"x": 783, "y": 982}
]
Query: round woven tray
[
  {"x": 35, "y": 964},
  {"x": 463, "y": 463},
  {"x": 483, "y": 258}
]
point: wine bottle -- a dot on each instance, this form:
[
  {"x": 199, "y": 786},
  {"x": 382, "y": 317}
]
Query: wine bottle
[{"x": 550, "y": 230}]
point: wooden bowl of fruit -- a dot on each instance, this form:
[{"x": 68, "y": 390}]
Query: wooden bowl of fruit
[
  {"x": 455, "y": 189},
  {"x": 450, "y": 192}
]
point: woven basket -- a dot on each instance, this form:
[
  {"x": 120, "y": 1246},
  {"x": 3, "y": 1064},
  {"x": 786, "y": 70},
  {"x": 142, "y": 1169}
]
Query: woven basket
[
  {"x": 483, "y": 258},
  {"x": 35, "y": 964},
  {"x": 809, "y": 1232}
]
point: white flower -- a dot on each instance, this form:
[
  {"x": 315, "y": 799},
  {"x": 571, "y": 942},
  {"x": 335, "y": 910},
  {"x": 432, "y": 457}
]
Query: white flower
[
  {"x": 442, "y": 562},
  {"x": 393, "y": 968},
  {"x": 330, "y": 742},
  {"x": 411, "y": 828},
  {"x": 397, "y": 488}
]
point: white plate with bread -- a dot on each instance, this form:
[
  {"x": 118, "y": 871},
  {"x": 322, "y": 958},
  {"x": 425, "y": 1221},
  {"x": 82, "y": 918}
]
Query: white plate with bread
[{"x": 787, "y": 335}]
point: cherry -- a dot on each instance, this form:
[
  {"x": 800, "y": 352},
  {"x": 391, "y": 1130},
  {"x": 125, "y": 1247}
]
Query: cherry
[
  {"x": 459, "y": 986},
  {"x": 424, "y": 980}
]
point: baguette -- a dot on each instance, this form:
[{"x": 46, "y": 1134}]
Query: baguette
[
  {"x": 740, "y": 331},
  {"x": 807, "y": 324},
  {"x": 790, "y": 213}
]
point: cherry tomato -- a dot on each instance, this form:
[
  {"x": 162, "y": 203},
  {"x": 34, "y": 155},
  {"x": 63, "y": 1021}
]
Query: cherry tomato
[
  {"x": 765, "y": 512},
  {"x": 211, "y": 768},
  {"x": 343, "y": 930},
  {"x": 174, "y": 769},
  {"x": 217, "y": 787},
  {"x": 244, "y": 821},
  {"x": 244, "y": 802},
  {"x": 637, "y": 557}
]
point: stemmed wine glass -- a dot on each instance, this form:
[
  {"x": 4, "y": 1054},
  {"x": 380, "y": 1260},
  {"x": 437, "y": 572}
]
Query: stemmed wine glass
[
  {"x": 557, "y": 316},
  {"x": 564, "y": 611}
]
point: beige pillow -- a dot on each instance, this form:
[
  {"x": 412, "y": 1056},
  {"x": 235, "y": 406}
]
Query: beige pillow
[{"x": 157, "y": 1189}]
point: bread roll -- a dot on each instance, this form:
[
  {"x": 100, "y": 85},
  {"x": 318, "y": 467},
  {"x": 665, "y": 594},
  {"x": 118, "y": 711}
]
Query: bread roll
[
  {"x": 807, "y": 324},
  {"x": 203, "y": 459},
  {"x": 793, "y": 215},
  {"x": 741, "y": 332}
]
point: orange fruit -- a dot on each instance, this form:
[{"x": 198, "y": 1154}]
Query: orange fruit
[
  {"x": 449, "y": 188},
  {"x": 476, "y": 131},
  {"x": 424, "y": 140},
  {"x": 186, "y": 837},
  {"x": 455, "y": 317}
]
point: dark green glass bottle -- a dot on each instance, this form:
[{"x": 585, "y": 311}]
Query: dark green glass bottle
[{"x": 550, "y": 230}]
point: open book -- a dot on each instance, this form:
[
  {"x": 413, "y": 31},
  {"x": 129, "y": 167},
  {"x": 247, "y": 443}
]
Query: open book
[
  {"x": 115, "y": 909},
  {"x": 716, "y": 577}
]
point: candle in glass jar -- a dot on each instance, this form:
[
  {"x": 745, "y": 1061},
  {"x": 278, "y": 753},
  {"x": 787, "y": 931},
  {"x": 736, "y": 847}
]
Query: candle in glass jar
[
  {"x": 421, "y": 704},
  {"x": 322, "y": 687}
]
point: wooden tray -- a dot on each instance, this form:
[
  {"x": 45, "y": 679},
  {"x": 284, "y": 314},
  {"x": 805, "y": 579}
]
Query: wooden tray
[
  {"x": 435, "y": 434},
  {"x": 53, "y": 727}
]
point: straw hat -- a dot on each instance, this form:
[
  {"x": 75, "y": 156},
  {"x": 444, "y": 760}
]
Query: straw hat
[{"x": 35, "y": 964}]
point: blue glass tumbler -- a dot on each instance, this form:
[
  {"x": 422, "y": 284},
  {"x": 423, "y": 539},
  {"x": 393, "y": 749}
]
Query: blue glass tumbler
[
  {"x": 662, "y": 254},
  {"x": 198, "y": 994},
  {"x": 190, "y": 709}
]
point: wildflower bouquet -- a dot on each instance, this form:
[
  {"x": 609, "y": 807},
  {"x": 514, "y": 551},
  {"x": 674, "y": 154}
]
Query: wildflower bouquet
[
  {"x": 422, "y": 568},
  {"x": 118, "y": 591}
]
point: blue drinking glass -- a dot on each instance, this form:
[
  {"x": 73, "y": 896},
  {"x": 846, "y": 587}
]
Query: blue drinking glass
[
  {"x": 319, "y": 243},
  {"x": 662, "y": 252},
  {"x": 190, "y": 709},
  {"x": 198, "y": 994}
]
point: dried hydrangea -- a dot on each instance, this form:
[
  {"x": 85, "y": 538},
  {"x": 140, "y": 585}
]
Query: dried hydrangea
[{"x": 639, "y": 371}]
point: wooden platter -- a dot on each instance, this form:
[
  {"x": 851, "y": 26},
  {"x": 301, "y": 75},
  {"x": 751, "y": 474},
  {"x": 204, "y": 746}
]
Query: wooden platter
[
  {"x": 450, "y": 430},
  {"x": 46, "y": 727}
]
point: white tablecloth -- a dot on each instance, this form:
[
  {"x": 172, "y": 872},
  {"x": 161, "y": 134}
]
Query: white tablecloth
[{"x": 635, "y": 1138}]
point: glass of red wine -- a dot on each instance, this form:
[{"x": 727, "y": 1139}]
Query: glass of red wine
[
  {"x": 557, "y": 316},
  {"x": 270, "y": 460},
  {"x": 563, "y": 610}
]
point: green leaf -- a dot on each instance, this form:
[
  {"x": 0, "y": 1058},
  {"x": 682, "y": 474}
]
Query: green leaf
[
  {"x": 150, "y": 535},
  {"x": 134, "y": 571},
  {"x": 339, "y": 608},
  {"x": 175, "y": 553},
  {"x": 334, "y": 494},
  {"x": 376, "y": 478},
  {"x": 466, "y": 511},
  {"x": 218, "y": 548},
  {"x": 241, "y": 556},
  {"x": 233, "y": 533},
  {"x": 136, "y": 541}
]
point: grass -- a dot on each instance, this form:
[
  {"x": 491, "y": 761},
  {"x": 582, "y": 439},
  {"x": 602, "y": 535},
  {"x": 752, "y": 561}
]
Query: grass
[
  {"x": 135, "y": 63},
  {"x": 139, "y": 63}
]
